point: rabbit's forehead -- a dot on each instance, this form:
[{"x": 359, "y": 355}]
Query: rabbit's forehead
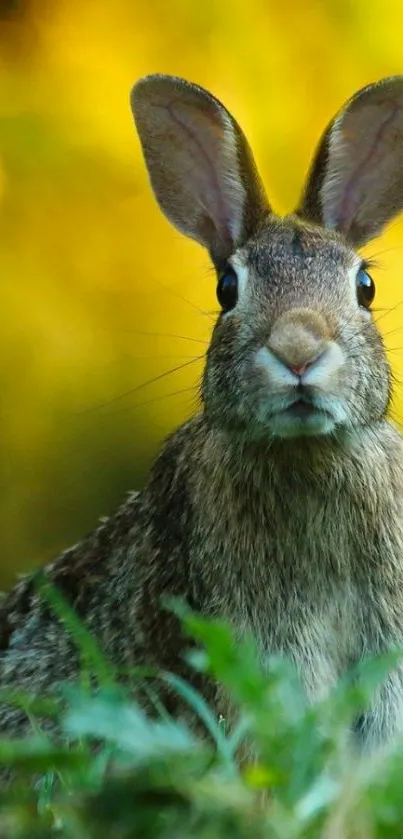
[{"x": 291, "y": 249}]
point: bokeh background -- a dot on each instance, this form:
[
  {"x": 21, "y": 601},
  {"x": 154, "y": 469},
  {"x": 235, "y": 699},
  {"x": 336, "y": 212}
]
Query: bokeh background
[{"x": 99, "y": 295}]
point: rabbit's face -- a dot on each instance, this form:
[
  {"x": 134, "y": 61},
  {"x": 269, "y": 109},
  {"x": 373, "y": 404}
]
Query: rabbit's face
[{"x": 297, "y": 353}]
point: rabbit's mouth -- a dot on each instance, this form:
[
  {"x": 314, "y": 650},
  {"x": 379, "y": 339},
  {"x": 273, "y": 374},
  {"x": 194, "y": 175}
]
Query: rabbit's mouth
[
  {"x": 301, "y": 409},
  {"x": 302, "y": 418}
]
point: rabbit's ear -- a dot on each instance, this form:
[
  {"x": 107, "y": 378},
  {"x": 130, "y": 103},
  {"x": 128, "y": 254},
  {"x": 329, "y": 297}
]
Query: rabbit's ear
[
  {"x": 356, "y": 181},
  {"x": 200, "y": 165}
]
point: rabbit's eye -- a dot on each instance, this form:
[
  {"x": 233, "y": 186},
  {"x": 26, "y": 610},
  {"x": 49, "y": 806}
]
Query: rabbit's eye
[
  {"x": 227, "y": 290},
  {"x": 365, "y": 288}
]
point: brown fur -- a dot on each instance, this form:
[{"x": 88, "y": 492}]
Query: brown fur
[{"x": 299, "y": 540}]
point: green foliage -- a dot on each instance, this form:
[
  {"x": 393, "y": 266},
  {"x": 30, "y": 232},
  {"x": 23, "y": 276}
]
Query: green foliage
[{"x": 116, "y": 772}]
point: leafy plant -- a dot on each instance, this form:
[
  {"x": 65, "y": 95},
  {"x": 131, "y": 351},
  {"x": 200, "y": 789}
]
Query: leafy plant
[{"x": 117, "y": 773}]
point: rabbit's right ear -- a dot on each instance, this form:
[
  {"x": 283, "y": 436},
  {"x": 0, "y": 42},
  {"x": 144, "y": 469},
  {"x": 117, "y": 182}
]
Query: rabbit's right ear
[
  {"x": 200, "y": 165},
  {"x": 356, "y": 181}
]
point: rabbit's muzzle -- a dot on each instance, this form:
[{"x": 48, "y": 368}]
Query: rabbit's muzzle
[{"x": 302, "y": 366}]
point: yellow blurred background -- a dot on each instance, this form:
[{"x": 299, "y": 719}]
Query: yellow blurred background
[{"x": 94, "y": 281}]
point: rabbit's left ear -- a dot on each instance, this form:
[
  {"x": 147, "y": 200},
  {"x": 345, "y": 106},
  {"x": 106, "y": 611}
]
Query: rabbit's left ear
[{"x": 356, "y": 181}]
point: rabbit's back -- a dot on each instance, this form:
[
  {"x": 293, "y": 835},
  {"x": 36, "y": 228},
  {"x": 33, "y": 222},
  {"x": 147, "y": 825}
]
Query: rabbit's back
[{"x": 114, "y": 580}]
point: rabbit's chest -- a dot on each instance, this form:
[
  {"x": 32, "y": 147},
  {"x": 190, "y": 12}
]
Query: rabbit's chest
[
  {"x": 301, "y": 598},
  {"x": 288, "y": 575},
  {"x": 301, "y": 601}
]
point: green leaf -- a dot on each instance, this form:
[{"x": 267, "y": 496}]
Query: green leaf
[
  {"x": 128, "y": 728},
  {"x": 91, "y": 655},
  {"x": 39, "y": 755},
  {"x": 204, "y": 712}
]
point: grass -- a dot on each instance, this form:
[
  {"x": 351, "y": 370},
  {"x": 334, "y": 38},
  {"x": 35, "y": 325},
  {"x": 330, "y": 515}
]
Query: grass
[{"x": 156, "y": 778}]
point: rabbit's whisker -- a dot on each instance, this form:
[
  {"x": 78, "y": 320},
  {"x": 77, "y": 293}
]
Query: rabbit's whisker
[
  {"x": 163, "y": 335},
  {"x": 184, "y": 299},
  {"x": 143, "y": 385},
  {"x": 154, "y": 400},
  {"x": 382, "y": 252},
  {"x": 388, "y": 312}
]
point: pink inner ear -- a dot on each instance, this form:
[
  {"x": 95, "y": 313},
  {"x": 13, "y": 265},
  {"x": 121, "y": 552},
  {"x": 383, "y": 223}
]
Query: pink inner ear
[
  {"x": 207, "y": 145},
  {"x": 193, "y": 159},
  {"x": 365, "y": 149}
]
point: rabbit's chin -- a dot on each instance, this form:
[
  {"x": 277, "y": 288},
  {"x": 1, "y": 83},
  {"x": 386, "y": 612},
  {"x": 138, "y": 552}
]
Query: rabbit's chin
[{"x": 302, "y": 420}]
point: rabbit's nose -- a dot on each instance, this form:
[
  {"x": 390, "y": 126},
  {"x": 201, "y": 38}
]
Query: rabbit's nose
[
  {"x": 298, "y": 338},
  {"x": 299, "y": 369}
]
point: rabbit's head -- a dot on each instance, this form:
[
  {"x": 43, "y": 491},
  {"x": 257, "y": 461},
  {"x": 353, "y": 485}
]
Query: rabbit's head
[{"x": 295, "y": 350}]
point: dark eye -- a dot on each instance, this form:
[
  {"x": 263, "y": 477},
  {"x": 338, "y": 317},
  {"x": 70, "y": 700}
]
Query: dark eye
[
  {"x": 365, "y": 288},
  {"x": 227, "y": 289}
]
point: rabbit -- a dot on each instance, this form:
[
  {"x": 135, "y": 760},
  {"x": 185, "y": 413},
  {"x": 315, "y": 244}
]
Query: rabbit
[{"x": 279, "y": 506}]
